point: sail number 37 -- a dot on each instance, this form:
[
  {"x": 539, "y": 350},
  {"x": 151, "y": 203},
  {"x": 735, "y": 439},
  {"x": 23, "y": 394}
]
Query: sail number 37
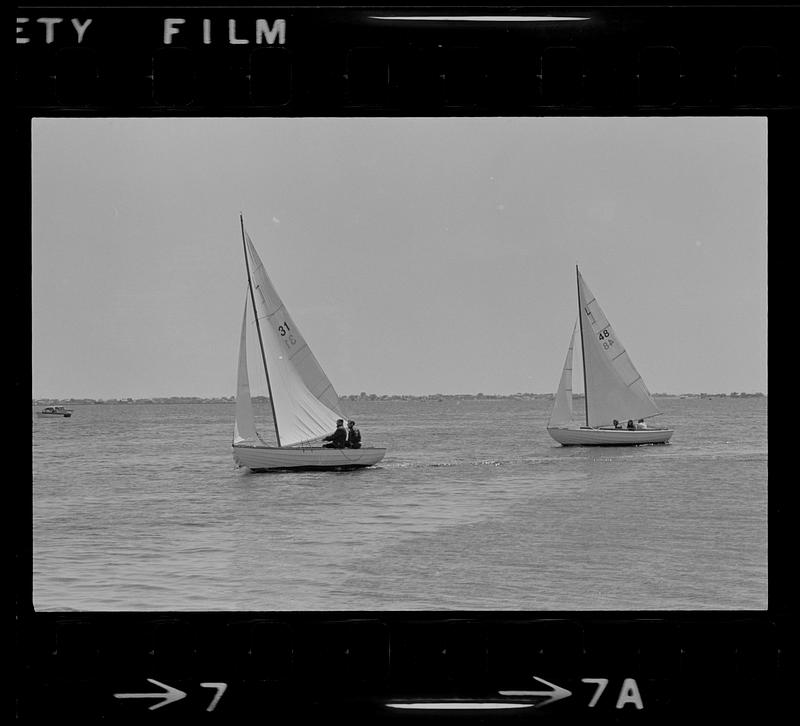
[{"x": 605, "y": 338}]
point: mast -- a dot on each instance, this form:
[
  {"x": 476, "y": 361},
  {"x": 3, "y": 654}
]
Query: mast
[
  {"x": 583, "y": 350},
  {"x": 258, "y": 328}
]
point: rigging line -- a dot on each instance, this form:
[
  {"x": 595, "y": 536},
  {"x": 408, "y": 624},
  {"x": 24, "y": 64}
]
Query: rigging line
[
  {"x": 258, "y": 328},
  {"x": 583, "y": 349}
]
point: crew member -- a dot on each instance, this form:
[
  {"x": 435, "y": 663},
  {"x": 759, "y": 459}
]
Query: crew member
[
  {"x": 338, "y": 439},
  {"x": 353, "y": 436}
]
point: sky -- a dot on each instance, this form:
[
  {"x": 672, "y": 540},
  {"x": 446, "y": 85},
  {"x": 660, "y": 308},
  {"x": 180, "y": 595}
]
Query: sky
[{"x": 418, "y": 256}]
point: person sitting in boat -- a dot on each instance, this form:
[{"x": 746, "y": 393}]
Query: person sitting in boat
[
  {"x": 641, "y": 425},
  {"x": 338, "y": 439},
  {"x": 353, "y": 436},
  {"x": 631, "y": 426},
  {"x": 617, "y": 424}
]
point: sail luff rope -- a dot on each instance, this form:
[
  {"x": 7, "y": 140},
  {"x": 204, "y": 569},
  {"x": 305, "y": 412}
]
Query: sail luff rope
[{"x": 258, "y": 328}]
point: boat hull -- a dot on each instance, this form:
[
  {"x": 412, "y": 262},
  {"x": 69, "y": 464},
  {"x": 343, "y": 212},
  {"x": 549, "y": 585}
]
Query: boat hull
[
  {"x": 40, "y": 414},
  {"x": 268, "y": 458},
  {"x": 609, "y": 437}
]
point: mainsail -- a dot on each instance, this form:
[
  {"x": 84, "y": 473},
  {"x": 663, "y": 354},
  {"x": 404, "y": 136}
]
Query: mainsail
[
  {"x": 304, "y": 401},
  {"x": 614, "y": 388},
  {"x": 562, "y": 408}
]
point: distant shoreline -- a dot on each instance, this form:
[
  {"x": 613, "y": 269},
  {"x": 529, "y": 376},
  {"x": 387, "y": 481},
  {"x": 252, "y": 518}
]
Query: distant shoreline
[{"x": 366, "y": 397}]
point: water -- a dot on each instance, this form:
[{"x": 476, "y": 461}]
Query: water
[{"x": 139, "y": 507}]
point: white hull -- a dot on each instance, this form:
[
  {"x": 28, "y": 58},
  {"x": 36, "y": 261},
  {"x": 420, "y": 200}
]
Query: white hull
[
  {"x": 39, "y": 414},
  {"x": 609, "y": 437},
  {"x": 263, "y": 458}
]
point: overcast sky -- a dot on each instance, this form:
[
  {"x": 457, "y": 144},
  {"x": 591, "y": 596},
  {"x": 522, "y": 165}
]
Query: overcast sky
[{"x": 416, "y": 255}]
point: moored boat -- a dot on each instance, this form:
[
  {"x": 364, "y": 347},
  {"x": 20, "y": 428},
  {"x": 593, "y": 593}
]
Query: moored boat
[{"x": 54, "y": 411}]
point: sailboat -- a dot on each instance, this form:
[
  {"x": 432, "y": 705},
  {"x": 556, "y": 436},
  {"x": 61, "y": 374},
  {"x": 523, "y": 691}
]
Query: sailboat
[
  {"x": 613, "y": 389},
  {"x": 305, "y": 406}
]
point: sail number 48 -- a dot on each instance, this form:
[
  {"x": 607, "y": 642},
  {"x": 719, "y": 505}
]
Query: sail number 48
[{"x": 605, "y": 338}]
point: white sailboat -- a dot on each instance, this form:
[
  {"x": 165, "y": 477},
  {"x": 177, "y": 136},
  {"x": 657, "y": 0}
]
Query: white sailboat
[
  {"x": 613, "y": 388},
  {"x": 305, "y": 406}
]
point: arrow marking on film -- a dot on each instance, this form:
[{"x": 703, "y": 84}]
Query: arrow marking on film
[
  {"x": 556, "y": 694},
  {"x": 170, "y": 695},
  {"x": 459, "y": 705}
]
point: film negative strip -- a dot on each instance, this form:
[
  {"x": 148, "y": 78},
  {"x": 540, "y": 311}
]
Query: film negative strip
[
  {"x": 136, "y": 639},
  {"x": 311, "y": 60}
]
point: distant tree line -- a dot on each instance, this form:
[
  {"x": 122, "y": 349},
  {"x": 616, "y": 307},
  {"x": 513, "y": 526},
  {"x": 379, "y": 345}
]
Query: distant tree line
[{"x": 363, "y": 396}]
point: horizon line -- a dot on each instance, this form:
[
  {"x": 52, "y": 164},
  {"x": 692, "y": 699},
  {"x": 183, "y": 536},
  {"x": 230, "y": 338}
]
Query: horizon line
[{"x": 365, "y": 395}]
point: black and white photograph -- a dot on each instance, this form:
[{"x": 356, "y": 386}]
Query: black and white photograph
[{"x": 399, "y": 364}]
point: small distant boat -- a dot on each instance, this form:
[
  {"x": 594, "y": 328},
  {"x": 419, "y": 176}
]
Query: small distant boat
[
  {"x": 50, "y": 411},
  {"x": 305, "y": 406},
  {"x": 613, "y": 388}
]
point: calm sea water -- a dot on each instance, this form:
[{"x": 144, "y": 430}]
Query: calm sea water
[{"x": 139, "y": 507}]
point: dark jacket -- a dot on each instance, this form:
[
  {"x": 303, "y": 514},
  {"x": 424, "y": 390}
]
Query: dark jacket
[
  {"x": 338, "y": 439},
  {"x": 353, "y": 438}
]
